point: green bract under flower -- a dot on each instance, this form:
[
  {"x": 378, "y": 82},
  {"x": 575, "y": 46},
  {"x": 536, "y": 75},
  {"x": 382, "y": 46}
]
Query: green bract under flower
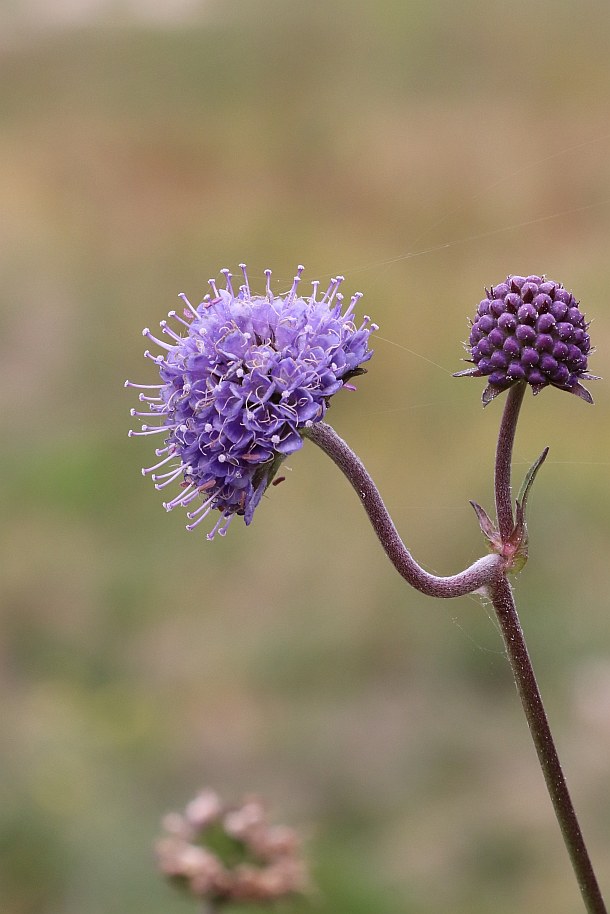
[{"x": 242, "y": 380}]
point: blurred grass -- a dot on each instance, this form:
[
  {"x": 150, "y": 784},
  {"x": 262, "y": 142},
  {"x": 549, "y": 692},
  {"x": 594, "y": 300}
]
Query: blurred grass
[{"x": 138, "y": 662}]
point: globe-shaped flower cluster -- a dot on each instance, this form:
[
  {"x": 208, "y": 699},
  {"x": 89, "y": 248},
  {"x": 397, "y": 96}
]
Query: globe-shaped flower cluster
[
  {"x": 529, "y": 329},
  {"x": 241, "y": 383}
]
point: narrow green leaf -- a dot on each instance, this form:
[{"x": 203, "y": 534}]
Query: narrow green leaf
[{"x": 528, "y": 482}]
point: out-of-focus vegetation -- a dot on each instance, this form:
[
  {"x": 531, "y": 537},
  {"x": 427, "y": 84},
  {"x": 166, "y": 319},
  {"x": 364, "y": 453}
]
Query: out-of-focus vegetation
[{"x": 139, "y": 662}]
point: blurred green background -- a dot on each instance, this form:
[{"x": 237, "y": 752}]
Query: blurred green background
[{"x": 144, "y": 146}]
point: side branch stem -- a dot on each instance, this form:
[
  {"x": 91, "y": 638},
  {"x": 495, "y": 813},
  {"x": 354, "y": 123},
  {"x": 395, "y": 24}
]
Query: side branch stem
[
  {"x": 482, "y": 573},
  {"x": 531, "y": 699},
  {"x": 504, "y": 453}
]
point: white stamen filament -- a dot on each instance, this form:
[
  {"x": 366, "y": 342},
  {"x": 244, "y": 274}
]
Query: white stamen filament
[
  {"x": 146, "y": 470},
  {"x": 223, "y": 520},
  {"x": 149, "y": 414},
  {"x": 163, "y": 485},
  {"x": 242, "y": 267},
  {"x": 179, "y": 499},
  {"x": 202, "y": 507},
  {"x": 228, "y": 275},
  {"x": 175, "y": 316},
  {"x": 295, "y": 284},
  {"x": 167, "y": 329},
  {"x": 148, "y": 430},
  {"x": 146, "y": 332},
  {"x": 175, "y": 471},
  {"x": 157, "y": 359}
]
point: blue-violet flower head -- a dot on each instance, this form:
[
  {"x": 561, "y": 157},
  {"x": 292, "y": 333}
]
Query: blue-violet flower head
[
  {"x": 529, "y": 329},
  {"x": 242, "y": 381}
]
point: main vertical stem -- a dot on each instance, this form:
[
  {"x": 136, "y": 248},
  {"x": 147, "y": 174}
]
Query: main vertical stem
[
  {"x": 545, "y": 747},
  {"x": 504, "y": 453},
  {"x": 523, "y": 672}
]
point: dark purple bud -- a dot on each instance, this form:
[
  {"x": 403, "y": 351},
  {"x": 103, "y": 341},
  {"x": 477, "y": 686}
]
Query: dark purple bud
[
  {"x": 536, "y": 378},
  {"x": 528, "y": 291},
  {"x": 496, "y": 337},
  {"x": 527, "y": 314},
  {"x": 530, "y": 329},
  {"x": 516, "y": 371},
  {"x": 560, "y": 351},
  {"x": 559, "y": 309},
  {"x": 564, "y": 330},
  {"x": 560, "y": 375},
  {"x": 499, "y": 359},
  {"x": 545, "y": 322},
  {"x": 511, "y": 345},
  {"x": 548, "y": 288},
  {"x": 485, "y": 323},
  {"x": 525, "y": 333},
  {"x": 548, "y": 364},
  {"x": 574, "y": 352},
  {"x": 563, "y": 295},
  {"x": 529, "y": 356},
  {"x": 542, "y": 303},
  {"x": 578, "y": 337},
  {"x": 513, "y": 302},
  {"x": 574, "y": 316},
  {"x": 499, "y": 379},
  {"x": 507, "y": 322},
  {"x": 501, "y": 290}
]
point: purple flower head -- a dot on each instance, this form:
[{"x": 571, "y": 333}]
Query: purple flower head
[
  {"x": 242, "y": 381},
  {"x": 529, "y": 329}
]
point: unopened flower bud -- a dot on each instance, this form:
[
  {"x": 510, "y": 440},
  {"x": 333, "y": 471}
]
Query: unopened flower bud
[{"x": 529, "y": 329}]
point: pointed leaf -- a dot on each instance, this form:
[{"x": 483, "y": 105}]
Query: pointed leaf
[
  {"x": 467, "y": 372},
  {"x": 486, "y": 524},
  {"x": 490, "y": 393},
  {"x": 527, "y": 485},
  {"x": 582, "y": 392}
]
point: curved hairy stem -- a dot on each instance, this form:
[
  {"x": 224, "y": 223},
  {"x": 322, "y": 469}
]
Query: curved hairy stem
[
  {"x": 487, "y": 574},
  {"x": 479, "y": 575}
]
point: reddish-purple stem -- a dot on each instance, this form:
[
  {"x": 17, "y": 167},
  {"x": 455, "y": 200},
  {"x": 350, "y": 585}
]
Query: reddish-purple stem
[
  {"x": 504, "y": 453},
  {"x": 489, "y": 575}
]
